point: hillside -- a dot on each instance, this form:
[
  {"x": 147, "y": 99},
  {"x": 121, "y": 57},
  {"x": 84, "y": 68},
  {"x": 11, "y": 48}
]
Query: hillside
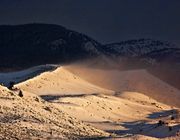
[
  {"x": 28, "y": 45},
  {"x": 60, "y": 82},
  {"x": 30, "y": 117},
  {"x": 23, "y": 75},
  {"x": 128, "y": 112},
  {"x": 129, "y": 80}
]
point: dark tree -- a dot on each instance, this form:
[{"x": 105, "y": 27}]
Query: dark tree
[{"x": 20, "y": 93}]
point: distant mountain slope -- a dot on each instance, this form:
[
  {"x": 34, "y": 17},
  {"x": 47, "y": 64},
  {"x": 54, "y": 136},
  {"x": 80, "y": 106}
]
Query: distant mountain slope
[
  {"x": 28, "y": 45},
  {"x": 160, "y": 58},
  {"x": 35, "y": 44},
  {"x": 151, "y": 50},
  {"x": 138, "y": 47}
]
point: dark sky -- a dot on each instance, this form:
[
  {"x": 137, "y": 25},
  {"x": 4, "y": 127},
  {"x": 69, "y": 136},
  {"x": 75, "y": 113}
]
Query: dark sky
[{"x": 104, "y": 20}]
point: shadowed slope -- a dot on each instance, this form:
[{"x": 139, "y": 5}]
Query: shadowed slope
[{"x": 132, "y": 80}]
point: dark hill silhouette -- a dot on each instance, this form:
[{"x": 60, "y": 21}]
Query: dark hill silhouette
[{"x": 35, "y": 44}]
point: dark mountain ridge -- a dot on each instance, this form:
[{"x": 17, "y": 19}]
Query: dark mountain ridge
[
  {"x": 28, "y": 45},
  {"x": 36, "y": 44}
]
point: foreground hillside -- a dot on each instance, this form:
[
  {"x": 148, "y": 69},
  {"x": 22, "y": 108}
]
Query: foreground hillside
[
  {"x": 128, "y": 110},
  {"x": 127, "y": 115},
  {"x": 30, "y": 117}
]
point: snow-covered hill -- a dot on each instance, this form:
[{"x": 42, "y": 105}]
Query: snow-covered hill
[{"x": 144, "y": 48}]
